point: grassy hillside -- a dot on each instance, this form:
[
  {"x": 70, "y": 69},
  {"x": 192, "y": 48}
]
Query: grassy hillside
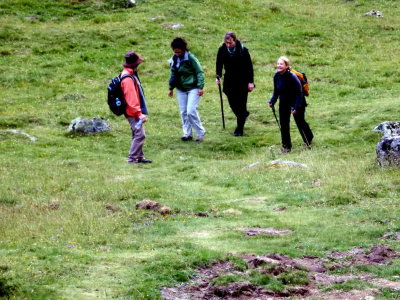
[{"x": 57, "y": 237}]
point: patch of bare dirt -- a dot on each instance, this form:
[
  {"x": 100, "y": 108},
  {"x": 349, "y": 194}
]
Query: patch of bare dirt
[
  {"x": 54, "y": 206},
  {"x": 367, "y": 294},
  {"x": 148, "y": 204},
  {"x": 251, "y": 231},
  {"x": 377, "y": 255},
  {"x": 280, "y": 209},
  {"x": 203, "y": 287},
  {"x": 201, "y": 214}
]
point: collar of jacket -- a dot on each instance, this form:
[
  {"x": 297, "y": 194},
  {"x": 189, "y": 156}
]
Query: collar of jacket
[{"x": 237, "y": 49}]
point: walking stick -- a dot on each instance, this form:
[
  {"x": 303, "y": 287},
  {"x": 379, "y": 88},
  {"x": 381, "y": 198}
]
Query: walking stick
[
  {"x": 222, "y": 103},
  {"x": 277, "y": 122}
]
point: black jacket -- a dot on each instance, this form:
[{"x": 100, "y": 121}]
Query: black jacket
[
  {"x": 238, "y": 68},
  {"x": 288, "y": 88}
]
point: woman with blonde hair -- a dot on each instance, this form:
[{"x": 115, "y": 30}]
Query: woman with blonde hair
[{"x": 288, "y": 89}]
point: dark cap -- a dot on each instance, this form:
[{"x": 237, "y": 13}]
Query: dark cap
[{"x": 132, "y": 60}]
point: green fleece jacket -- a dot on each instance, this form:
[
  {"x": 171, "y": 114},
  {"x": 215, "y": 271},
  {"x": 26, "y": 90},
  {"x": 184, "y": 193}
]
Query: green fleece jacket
[{"x": 186, "y": 73}]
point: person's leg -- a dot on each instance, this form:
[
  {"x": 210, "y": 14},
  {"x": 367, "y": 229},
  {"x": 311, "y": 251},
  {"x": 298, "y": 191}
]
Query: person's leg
[
  {"x": 284, "y": 119},
  {"x": 238, "y": 103},
  {"x": 302, "y": 125},
  {"x": 138, "y": 137},
  {"x": 193, "y": 115},
  {"x": 242, "y": 113},
  {"x": 183, "y": 105}
]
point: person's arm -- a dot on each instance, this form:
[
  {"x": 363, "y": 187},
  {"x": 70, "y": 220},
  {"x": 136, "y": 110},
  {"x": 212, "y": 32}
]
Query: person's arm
[
  {"x": 248, "y": 66},
  {"x": 173, "y": 76},
  {"x": 198, "y": 71},
  {"x": 219, "y": 65},
  {"x": 298, "y": 94},
  {"x": 275, "y": 94}
]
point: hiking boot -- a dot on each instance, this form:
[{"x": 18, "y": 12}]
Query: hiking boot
[
  {"x": 284, "y": 151},
  {"x": 238, "y": 132},
  {"x": 140, "y": 161},
  {"x": 187, "y": 138},
  {"x": 200, "y": 138},
  {"x": 144, "y": 161}
]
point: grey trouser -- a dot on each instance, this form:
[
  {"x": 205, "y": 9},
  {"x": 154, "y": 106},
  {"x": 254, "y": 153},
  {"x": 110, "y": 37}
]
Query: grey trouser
[
  {"x": 188, "y": 102},
  {"x": 138, "y": 137}
]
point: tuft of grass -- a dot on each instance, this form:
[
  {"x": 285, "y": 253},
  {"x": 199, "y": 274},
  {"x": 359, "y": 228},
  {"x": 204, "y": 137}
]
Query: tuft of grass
[
  {"x": 227, "y": 279},
  {"x": 295, "y": 277},
  {"x": 268, "y": 282},
  {"x": 349, "y": 285}
]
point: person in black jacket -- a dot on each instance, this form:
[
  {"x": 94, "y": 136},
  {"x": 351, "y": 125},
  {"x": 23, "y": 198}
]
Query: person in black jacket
[
  {"x": 238, "y": 78},
  {"x": 291, "y": 101}
]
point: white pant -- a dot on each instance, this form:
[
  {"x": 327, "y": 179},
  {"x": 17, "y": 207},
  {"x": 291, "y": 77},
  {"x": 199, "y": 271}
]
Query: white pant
[{"x": 188, "y": 102}]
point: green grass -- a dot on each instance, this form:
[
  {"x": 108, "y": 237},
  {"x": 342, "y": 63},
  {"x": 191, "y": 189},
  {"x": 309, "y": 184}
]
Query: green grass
[{"x": 56, "y": 59}]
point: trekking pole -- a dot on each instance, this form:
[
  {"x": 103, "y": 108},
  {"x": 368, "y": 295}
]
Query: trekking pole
[
  {"x": 222, "y": 104},
  {"x": 276, "y": 118},
  {"x": 308, "y": 144}
]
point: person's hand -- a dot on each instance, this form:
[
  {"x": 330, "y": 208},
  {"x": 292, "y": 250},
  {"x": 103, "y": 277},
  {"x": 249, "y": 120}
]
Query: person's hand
[
  {"x": 294, "y": 111},
  {"x": 170, "y": 93},
  {"x": 250, "y": 87},
  {"x": 143, "y": 118},
  {"x": 270, "y": 104},
  {"x": 218, "y": 81},
  {"x": 200, "y": 92}
]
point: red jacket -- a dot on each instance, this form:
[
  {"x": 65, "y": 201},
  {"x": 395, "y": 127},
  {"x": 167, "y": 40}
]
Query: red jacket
[{"x": 131, "y": 94}]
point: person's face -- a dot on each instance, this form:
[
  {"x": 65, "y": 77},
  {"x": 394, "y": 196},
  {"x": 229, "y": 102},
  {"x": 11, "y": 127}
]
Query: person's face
[
  {"x": 140, "y": 59},
  {"x": 179, "y": 52},
  {"x": 138, "y": 62},
  {"x": 281, "y": 66},
  {"x": 230, "y": 43}
]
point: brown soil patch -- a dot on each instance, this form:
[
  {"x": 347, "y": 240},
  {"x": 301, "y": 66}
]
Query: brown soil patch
[
  {"x": 375, "y": 256},
  {"x": 280, "y": 209},
  {"x": 54, "y": 206},
  {"x": 203, "y": 287},
  {"x": 153, "y": 205}
]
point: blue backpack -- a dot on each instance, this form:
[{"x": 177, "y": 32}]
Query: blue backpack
[{"x": 115, "y": 99}]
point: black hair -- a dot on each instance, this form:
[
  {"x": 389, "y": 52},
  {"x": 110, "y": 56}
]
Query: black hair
[{"x": 179, "y": 43}]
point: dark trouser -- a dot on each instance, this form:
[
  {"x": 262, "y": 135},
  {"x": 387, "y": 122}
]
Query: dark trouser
[
  {"x": 238, "y": 103},
  {"x": 302, "y": 125}
]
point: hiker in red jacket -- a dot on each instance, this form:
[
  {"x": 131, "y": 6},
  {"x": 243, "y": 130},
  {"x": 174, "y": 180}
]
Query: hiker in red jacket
[{"x": 136, "y": 109}]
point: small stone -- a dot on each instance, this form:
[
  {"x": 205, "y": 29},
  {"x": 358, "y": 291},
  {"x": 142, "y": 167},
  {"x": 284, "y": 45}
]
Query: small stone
[
  {"x": 165, "y": 210},
  {"x": 112, "y": 208}
]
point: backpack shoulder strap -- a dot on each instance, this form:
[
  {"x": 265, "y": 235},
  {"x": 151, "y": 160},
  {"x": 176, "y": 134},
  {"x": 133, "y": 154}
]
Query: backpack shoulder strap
[{"x": 124, "y": 76}]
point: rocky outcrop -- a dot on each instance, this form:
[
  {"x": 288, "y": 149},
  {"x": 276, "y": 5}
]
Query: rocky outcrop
[
  {"x": 388, "y": 148},
  {"x": 88, "y": 125}
]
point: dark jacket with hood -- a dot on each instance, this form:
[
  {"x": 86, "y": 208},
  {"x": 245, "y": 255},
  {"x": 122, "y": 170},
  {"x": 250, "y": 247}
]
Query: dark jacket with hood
[{"x": 238, "y": 68}]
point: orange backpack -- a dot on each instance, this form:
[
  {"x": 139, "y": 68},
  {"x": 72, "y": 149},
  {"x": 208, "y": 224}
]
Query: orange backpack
[{"x": 303, "y": 80}]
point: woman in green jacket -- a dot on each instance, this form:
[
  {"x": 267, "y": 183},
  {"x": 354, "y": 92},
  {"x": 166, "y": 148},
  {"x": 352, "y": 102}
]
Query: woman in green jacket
[{"x": 188, "y": 78}]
